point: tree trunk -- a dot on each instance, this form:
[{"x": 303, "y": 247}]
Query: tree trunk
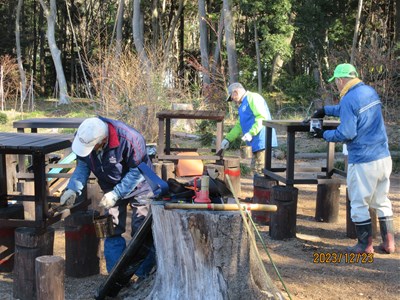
[
  {"x": 355, "y": 36},
  {"x": 137, "y": 29},
  {"x": 217, "y": 49},
  {"x": 55, "y": 52},
  {"x": 230, "y": 42},
  {"x": 19, "y": 55},
  {"x": 259, "y": 68},
  {"x": 206, "y": 255},
  {"x": 204, "y": 42},
  {"x": 120, "y": 21}
]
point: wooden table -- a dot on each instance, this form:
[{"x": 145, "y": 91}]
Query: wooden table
[
  {"x": 291, "y": 127},
  {"x": 164, "y": 132},
  {"x": 36, "y": 123},
  {"x": 37, "y": 145}
]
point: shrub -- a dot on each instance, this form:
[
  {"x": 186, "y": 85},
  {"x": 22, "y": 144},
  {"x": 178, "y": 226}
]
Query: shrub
[{"x": 3, "y": 118}]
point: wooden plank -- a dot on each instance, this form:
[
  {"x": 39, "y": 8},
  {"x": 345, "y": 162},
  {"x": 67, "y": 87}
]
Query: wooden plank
[{"x": 191, "y": 114}]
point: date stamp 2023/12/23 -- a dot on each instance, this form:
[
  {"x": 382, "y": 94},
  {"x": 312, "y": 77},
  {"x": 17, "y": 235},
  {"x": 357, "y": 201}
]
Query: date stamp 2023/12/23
[{"x": 342, "y": 257}]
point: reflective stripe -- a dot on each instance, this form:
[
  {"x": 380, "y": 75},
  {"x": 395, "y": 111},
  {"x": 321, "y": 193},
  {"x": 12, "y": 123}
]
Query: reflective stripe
[{"x": 369, "y": 106}]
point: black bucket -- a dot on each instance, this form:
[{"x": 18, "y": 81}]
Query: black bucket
[{"x": 104, "y": 227}]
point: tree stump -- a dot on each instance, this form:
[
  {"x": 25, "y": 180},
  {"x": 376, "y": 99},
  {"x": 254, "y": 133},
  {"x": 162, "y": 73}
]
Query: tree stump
[
  {"x": 327, "y": 208},
  {"x": 262, "y": 187},
  {"x": 49, "y": 277},
  {"x": 82, "y": 246},
  {"x": 29, "y": 244},
  {"x": 283, "y": 222},
  {"x": 206, "y": 255}
]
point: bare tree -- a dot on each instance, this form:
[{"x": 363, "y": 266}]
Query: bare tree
[
  {"x": 120, "y": 21},
  {"x": 355, "y": 36},
  {"x": 138, "y": 36},
  {"x": 259, "y": 68},
  {"x": 19, "y": 56},
  {"x": 55, "y": 52},
  {"x": 204, "y": 41},
  {"x": 230, "y": 42}
]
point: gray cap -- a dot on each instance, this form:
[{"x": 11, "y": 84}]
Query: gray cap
[{"x": 231, "y": 88}]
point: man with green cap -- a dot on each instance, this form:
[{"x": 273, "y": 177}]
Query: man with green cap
[{"x": 362, "y": 129}]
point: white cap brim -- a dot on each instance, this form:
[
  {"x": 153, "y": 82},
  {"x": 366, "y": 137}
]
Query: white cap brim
[{"x": 80, "y": 149}]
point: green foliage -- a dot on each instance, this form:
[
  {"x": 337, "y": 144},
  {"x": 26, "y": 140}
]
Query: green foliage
[
  {"x": 3, "y": 118},
  {"x": 396, "y": 164},
  {"x": 298, "y": 89},
  {"x": 206, "y": 130},
  {"x": 339, "y": 164}
]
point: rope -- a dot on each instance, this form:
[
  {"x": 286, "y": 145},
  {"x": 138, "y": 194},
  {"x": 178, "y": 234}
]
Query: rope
[
  {"x": 253, "y": 240},
  {"x": 269, "y": 256}
]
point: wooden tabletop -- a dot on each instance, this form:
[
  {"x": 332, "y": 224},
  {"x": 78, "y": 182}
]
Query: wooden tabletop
[
  {"x": 49, "y": 123},
  {"x": 296, "y": 125},
  {"x": 191, "y": 114},
  {"x": 16, "y": 143}
]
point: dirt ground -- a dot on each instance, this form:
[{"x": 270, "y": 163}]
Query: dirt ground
[{"x": 294, "y": 258}]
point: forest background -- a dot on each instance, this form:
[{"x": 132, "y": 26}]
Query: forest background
[{"x": 130, "y": 59}]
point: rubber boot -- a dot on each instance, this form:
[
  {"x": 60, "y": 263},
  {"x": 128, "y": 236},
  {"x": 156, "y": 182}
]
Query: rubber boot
[
  {"x": 364, "y": 236},
  {"x": 387, "y": 233}
]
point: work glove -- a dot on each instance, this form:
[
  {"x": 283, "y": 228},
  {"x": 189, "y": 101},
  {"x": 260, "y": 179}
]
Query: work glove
[
  {"x": 224, "y": 144},
  {"x": 68, "y": 197},
  {"x": 109, "y": 199},
  {"x": 318, "y": 132},
  {"x": 247, "y": 137},
  {"x": 319, "y": 113}
]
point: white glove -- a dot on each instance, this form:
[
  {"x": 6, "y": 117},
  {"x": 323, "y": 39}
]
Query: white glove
[
  {"x": 109, "y": 199},
  {"x": 224, "y": 144},
  {"x": 68, "y": 197},
  {"x": 247, "y": 137}
]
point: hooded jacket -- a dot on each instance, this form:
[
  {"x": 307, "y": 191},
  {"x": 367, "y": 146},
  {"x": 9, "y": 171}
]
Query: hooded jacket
[
  {"x": 361, "y": 127},
  {"x": 116, "y": 165}
]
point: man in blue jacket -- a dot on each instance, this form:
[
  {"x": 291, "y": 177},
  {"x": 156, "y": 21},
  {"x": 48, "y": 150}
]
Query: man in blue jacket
[
  {"x": 253, "y": 110},
  {"x": 362, "y": 129},
  {"x": 112, "y": 151}
]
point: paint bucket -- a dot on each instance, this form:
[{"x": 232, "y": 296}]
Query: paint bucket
[
  {"x": 103, "y": 225},
  {"x": 246, "y": 152}
]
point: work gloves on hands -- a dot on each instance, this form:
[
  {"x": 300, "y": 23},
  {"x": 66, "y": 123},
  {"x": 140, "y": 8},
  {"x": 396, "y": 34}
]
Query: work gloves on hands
[
  {"x": 68, "y": 197},
  {"x": 247, "y": 137},
  {"x": 109, "y": 199},
  {"x": 224, "y": 144},
  {"x": 319, "y": 113},
  {"x": 318, "y": 133}
]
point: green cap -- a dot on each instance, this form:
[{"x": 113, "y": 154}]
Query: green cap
[{"x": 344, "y": 70}]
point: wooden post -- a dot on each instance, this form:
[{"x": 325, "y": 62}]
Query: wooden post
[
  {"x": 283, "y": 222},
  {"x": 214, "y": 259},
  {"x": 158, "y": 169},
  {"x": 7, "y": 240},
  {"x": 82, "y": 250},
  {"x": 350, "y": 226},
  {"x": 29, "y": 244},
  {"x": 168, "y": 169},
  {"x": 327, "y": 208},
  {"x": 49, "y": 277},
  {"x": 232, "y": 168},
  {"x": 27, "y": 187},
  {"x": 262, "y": 187}
]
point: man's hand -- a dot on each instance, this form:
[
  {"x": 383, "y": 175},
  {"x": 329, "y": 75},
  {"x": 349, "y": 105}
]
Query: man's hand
[
  {"x": 109, "y": 199},
  {"x": 224, "y": 144},
  {"x": 247, "y": 137},
  {"x": 68, "y": 197},
  {"x": 319, "y": 113},
  {"x": 318, "y": 133}
]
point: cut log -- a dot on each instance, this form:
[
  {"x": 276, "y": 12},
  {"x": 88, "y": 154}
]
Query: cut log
[
  {"x": 327, "y": 208},
  {"x": 50, "y": 277},
  {"x": 206, "y": 255}
]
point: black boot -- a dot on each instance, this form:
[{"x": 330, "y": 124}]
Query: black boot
[
  {"x": 364, "y": 236},
  {"x": 387, "y": 233}
]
